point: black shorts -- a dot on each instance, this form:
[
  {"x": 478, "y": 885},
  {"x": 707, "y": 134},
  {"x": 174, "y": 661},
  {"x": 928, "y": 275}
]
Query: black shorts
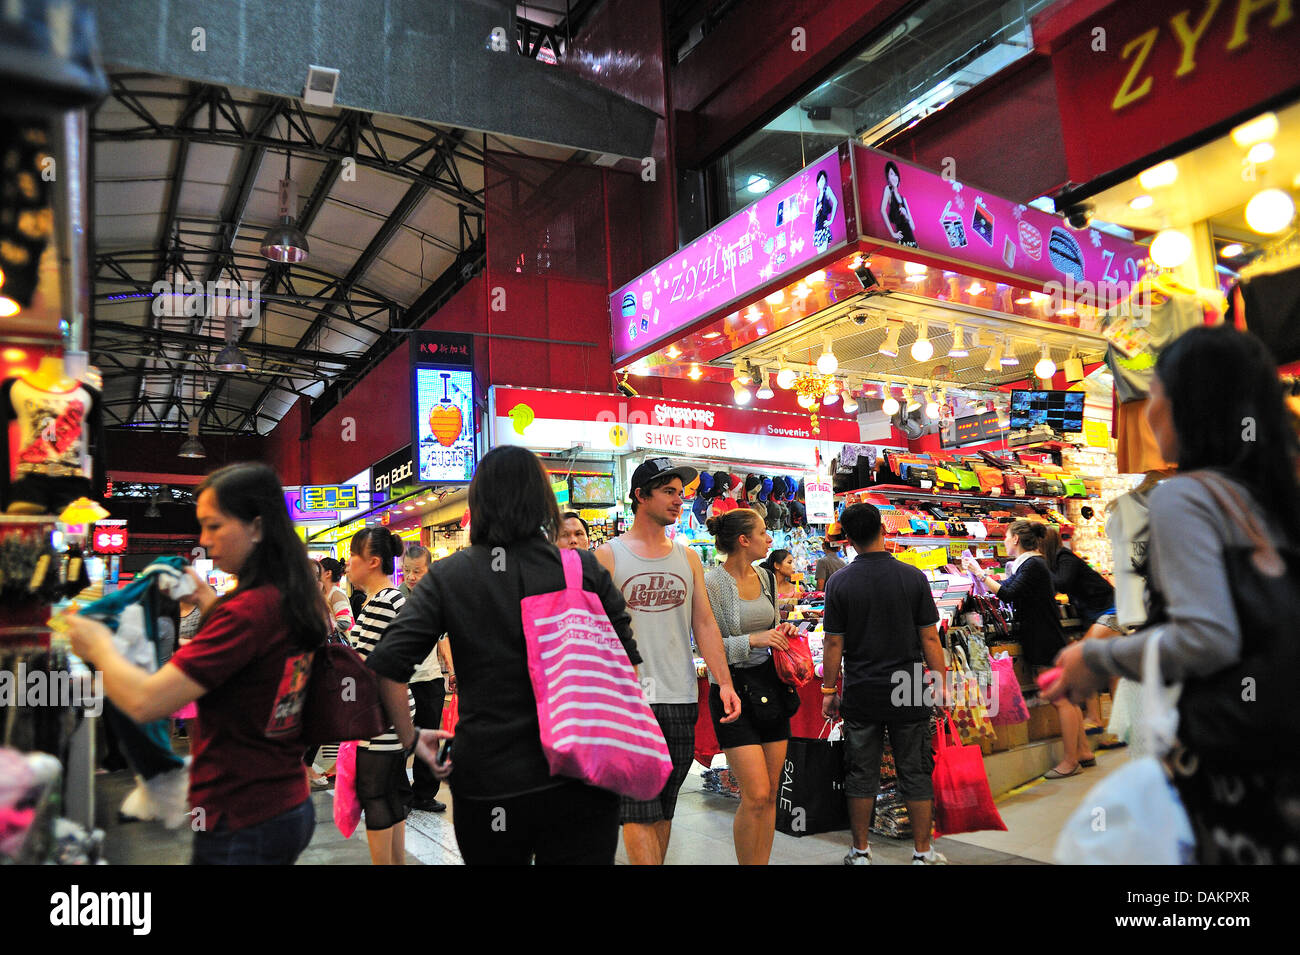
[
  {"x": 745, "y": 730},
  {"x": 913, "y": 758},
  {"x": 383, "y": 788},
  {"x": 45, "y": 494},
  {"x": 677, "y": 720}
]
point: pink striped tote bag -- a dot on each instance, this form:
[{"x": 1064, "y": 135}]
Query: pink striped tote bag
[{"x": 596, "y": 725}]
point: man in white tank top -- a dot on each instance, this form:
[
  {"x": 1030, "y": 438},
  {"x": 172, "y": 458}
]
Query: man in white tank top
[{"x": 663, "y": 584}]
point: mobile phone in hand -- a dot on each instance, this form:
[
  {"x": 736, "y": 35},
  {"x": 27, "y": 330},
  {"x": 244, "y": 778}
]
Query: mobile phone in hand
[
  {"x": 1048, "y": 677},
  {"x": 444, "y": 751}
]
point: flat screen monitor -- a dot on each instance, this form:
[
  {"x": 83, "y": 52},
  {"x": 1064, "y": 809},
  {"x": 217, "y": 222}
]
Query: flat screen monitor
[
  {"x": 1062, "y": 411},
  {"x": 591, "y": 490}
]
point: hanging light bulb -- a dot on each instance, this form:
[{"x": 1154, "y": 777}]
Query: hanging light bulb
[
  {"x": 1269, "y": 212},
  {"x": 1045, "y": 368},
  {"x": 1171, "y": 248},
  {"x": 890, "y": 405},
  {"x": 284, "y": 242},
  {"x": 827, "y": 363},
  {"x": 832, "y": 395},
  {"x": 932, "y": 407},
  {"x": 694, "y": 374},
  {"x": 1009, "y": 359},
  {"x": 764, "y": 387},
  {"x": 744, "y": 373},
  {"x": 913, "y": 401},
  {"x": 922, "y": 349},
  {"x": 785, "y": 376},
  {"x": 995, "y": 358},
  {"x": 743, "y": 394},
  {"x": 889, "y": 347},
  {"x": 806, "y": 401},
  {"x": 958, "y": 349}
]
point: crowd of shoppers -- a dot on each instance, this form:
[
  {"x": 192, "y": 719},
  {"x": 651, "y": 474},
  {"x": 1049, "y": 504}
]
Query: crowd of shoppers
[{"x": 243, "y": 659}]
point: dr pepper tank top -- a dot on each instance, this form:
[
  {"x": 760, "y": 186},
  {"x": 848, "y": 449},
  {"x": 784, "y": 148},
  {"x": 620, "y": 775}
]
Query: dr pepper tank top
[{"x": 659, "y": 594}]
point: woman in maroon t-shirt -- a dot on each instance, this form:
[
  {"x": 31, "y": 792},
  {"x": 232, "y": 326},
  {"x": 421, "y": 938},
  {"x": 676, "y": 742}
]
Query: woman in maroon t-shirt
[{"x": 247, "y": 667}]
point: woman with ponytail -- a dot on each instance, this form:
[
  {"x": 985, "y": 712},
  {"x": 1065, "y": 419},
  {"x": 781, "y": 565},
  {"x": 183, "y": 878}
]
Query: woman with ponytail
[
  {"x": 383, "y": 788},
  {"x": 1029, "y": 589},
  {"x": 781, "y": 564}
]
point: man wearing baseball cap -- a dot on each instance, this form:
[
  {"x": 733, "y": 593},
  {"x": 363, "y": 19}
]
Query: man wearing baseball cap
[
  {"x": 663, "y": 584},
  {"x": 832, "y": 561}
]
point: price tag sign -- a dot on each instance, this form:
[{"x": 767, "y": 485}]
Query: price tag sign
[
  {"x": 109, "y": 540},
  {"x": 819, "y": 499}
]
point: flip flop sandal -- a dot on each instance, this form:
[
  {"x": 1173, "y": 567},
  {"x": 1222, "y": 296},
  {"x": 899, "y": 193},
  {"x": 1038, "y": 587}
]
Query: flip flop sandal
[
  {"x": 1053, "y": 774},
  {"x": 1088, "y": 763}
]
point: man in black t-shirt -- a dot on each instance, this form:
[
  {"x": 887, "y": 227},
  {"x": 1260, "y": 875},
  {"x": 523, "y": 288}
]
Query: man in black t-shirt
[{"x": 881, "y": 621}]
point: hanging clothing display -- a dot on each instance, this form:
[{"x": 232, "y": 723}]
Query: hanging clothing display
[
  {"x": 54, "y": 446},
  {"x": 1137, "y": 451},
  {"x": 1268, "y": 305},
  {"x": 145, "y": 639},
  {"x": 1128, "y": 528}
]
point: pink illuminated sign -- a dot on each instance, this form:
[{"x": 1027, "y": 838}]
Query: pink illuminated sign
[
  {"x": 913, "y": 208},
  {"x": 792, "y": 225}
]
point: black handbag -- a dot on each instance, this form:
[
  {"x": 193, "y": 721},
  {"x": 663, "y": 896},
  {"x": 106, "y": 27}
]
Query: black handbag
[
  {"x": 1246, "y": 714},
  {"x": 769, "y": 697},
  {"x": 342, "y": 701}
]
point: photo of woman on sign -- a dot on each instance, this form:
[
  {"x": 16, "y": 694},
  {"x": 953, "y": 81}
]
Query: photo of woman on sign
[
  {"x": 894, "y": 209},
  {"x": 824, "y": 212}
]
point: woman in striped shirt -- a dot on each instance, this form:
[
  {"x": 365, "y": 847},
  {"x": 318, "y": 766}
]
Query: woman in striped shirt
[{"x": 383, "y": 788}]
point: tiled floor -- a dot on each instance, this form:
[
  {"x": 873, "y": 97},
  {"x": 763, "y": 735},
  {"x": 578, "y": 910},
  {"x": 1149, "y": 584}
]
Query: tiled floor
[{"x": 701, "y": 835}]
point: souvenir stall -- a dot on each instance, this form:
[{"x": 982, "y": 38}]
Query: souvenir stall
[{"x": 871, "y": 286}]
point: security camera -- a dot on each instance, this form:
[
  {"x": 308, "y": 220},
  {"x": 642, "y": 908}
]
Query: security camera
[
  {"x": 866, "y": 278},
  {"x": 860, "y": 318},
  {"x": 1079, "y": 216}
]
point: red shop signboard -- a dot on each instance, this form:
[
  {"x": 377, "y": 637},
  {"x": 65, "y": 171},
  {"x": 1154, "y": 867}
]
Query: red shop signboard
[
  {"x": 1141, "y": 76},
  {"x": 109, "y": 539}
]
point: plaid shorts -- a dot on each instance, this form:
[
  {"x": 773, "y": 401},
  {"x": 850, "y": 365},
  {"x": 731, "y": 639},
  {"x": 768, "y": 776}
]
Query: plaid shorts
[{"x": 677, "y": 720}]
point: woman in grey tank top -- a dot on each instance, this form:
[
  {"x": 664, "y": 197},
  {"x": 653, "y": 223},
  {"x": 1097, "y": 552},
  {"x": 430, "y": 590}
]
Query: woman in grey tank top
[{"x": 744, "y": 605}]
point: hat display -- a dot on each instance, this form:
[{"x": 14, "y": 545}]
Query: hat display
[
  {"x": 835, "y": 533},
  {"x": 721, "y": 483},
  {"x": 701, "y": 508},
  {"x": 737, "y": 482},
  {"x": 752, "y": 483},
  {"x": 765, "y": 493},
  {"x": 691, "y": 489},
  {"x": 798, "y": 514},
  {"x": 705, "y": 486}
]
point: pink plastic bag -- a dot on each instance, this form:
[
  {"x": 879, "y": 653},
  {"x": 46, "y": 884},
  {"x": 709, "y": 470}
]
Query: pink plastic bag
[
  {"x": 596, "y": 725},
  {"x": 1009, "y": 705},
  {"x": 347, "y": 807}
]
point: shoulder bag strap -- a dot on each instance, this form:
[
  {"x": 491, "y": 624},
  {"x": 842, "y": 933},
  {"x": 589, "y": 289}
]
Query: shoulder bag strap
[
  {"x": 771, "y": 576},
  {"x": 1265, "y": 557}
]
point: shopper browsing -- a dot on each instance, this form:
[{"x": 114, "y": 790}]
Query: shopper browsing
[
  {"x": 574, "y": 533},
  {"x": 831, "y": 561},
  {"x": 428, "y": 687},
  {"x": 1029, "y": 589},
  {"x": 508, "y": 807},
  {"x": 881, "y": 623},
  {"x": 248, "y": 786},
  {"x": 781, "y": 563},
  {"x": 663, "y": 584},
  {"x": 745, "y": 606},
  {"x": 1242, "y": 811},
  {"x": 382, "y": 786},
  {"x": 340, "y": 607}
]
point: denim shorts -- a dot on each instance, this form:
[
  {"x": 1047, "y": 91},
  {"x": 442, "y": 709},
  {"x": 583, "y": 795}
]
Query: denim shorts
[
  {"x": 277, "y": 841},
  {"x": 913, "y": 758}
]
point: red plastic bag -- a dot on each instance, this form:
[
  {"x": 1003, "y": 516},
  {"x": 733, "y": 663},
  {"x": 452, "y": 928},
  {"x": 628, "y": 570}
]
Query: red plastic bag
[
  {"x": 450, "y": 713},
  {"x": 963, "y": 801},
  {"x": 794, "y": 665},
  {"x": 347, "y": 807}
]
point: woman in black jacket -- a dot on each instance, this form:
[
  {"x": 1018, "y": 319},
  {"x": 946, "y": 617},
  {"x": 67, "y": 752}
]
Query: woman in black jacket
[
  {"x": 507, "y": 807},
  {"x": 1028, "y": 587}
]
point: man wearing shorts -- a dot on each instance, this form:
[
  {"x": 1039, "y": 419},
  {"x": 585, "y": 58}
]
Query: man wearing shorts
[
  {"x": 663, "y": 584},
  {"x": 881, "y": 621}
]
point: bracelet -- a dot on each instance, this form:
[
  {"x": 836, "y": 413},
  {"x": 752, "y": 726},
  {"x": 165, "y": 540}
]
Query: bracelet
[
  {"x": 828, "y": 690},
  {"x": 415, "y": 742}
]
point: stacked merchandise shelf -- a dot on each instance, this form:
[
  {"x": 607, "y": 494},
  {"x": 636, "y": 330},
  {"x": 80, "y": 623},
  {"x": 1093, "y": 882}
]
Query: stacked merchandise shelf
[{"x": 1098, "y": 469}]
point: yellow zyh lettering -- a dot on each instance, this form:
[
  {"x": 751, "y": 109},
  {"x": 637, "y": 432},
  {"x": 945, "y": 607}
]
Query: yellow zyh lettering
[
  {"x": 1142, "y": 45},
  {"x": 1189, "y": 37}
]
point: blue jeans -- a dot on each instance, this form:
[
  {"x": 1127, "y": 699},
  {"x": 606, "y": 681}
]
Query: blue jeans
[{"x": 277, "y": 841}]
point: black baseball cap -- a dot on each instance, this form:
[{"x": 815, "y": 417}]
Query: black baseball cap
[{"x": 652, "y": 468}]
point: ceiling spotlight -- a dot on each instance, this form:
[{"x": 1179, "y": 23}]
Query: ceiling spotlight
[
  {"x": 758, "y": 184},
  {"x": 827, "y": 363},
  {"x": 807, "y": 401},
  {"x": 764, "y": 387},
  {"x": 1009, "y": 359},
  {"x": 915, "y": 268},
  {"x": 1257, "y": 130},
  {"x": 1045, "y": 368},
  {"x": 694, "y": 374},
  {"x": 958, "y": 349},
  {"x": 816, "y": 278},
  {"x": 776, "y": 298},
  {"x": 850, "y": 403},
  {"x": 1138, "y": 203},
  {"x": 922, "y": 349},
  {"x": 743, "y": 394},
  {"x": 889, "y": 347},
  {"x": 913, "y": 402},
  {"x": 673, "y": 352},
  {"x": 1164, "y": 174},
  {"x": 975, "y": 288},
  {"x": 1231, "y": 250},
  {"x": 932, "y": 407},
  {"x": 230, "y": 358},
  {"x": 1171, "y": 248},
  {"x": 744, "y": 374},
  {"x": 890, "y": 405},
  {"x": 995, "y": 358},
  {"x": 1269, "y": 212}
]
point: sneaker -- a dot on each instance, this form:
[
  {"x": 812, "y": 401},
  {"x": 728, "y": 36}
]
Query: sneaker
[
  {"x": 429, "y": 805},
  {"x": 858, "y": 858},
  {"x": 930, "y": 858}
]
